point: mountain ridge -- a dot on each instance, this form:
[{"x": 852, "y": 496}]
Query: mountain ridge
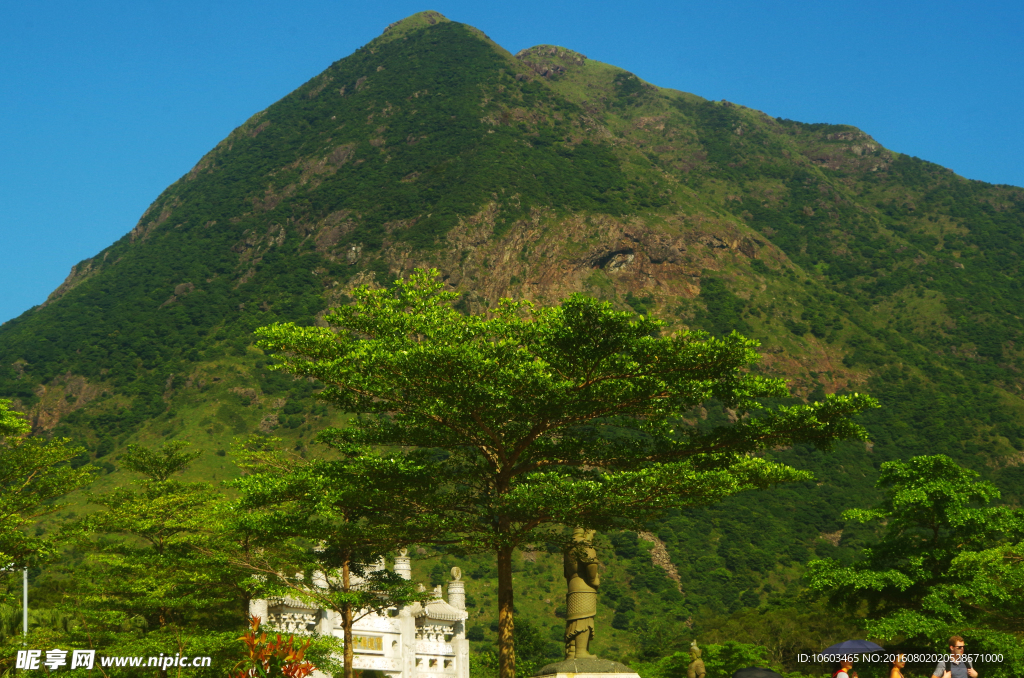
[
  {"x": 617, "y": 235},
  {"x": 694, "y": 222}
]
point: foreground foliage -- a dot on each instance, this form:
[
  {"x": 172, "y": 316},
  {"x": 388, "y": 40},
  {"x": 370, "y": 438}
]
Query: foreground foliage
[
  {"x": 339, "y": 518},
  {"x": 33, "y": 475},
  {"x": 151, "y": 572},
  {"x": 945, "y": 563},
  {"x": 278, "y": 658}
]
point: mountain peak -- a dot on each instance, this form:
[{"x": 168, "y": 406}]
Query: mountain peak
[{"x": 411, "y": 23}]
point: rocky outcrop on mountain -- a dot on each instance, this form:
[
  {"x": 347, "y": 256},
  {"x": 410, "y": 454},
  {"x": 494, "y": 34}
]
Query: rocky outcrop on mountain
[
  {"x": 55, "y": 400},
  {"x": 660, "y": 557},
  {"x": 549, "y": 61},
  {"x": 80, "y": 272}
]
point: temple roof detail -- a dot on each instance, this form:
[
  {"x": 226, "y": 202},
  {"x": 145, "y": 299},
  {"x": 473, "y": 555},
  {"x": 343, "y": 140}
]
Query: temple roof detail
[{"x": 437, "y": 610}]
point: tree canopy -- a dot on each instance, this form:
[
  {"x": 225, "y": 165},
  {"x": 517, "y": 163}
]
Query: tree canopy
[{"x": 542, "y": 417}]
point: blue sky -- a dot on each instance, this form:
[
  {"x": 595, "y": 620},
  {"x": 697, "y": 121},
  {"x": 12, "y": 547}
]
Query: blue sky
[{"x": 104, "y": 104}]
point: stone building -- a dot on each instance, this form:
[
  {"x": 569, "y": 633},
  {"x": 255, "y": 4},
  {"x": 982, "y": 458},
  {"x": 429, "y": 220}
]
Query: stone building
[{"x": 425, "y": 640}]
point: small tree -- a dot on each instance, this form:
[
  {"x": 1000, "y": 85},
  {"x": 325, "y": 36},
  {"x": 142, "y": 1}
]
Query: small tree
[
  {"x": 323, "y": 524},
  {"x": 155, "y": 576},
  {"x": 944, "y": 564},
  {"x": 567, "y": 415},
  {"x": 33, "y": 474}
]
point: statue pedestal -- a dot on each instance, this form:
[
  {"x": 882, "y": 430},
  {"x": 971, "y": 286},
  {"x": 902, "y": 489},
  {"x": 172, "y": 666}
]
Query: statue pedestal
[{"x": 591, "y": 667}]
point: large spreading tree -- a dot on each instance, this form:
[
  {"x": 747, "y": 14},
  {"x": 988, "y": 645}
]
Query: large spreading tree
[{"x": 538, "y": 418}]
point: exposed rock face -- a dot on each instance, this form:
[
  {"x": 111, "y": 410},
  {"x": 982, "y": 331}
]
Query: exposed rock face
[
  {"x": 428, "y": 18},
  {"x": 549, "y": 61},
  {"x": 547, "y": 257},
  {"x": 144, "y": 227},
  {"x": 179, "y": 291},
  {"x": 269, "y": 423},
  {"x": 832, "y": 537},
  {"x": 79, "y": 273},
  {"x": 63, "y": 395},
  {"x": 251, "y": 394},
  {"x": 660, "y": 558}
]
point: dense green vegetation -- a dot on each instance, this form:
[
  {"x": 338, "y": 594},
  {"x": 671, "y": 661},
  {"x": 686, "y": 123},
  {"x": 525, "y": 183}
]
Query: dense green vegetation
[
  {"x": 864, "y": 270},
  {"x": 946, "y": 563}
]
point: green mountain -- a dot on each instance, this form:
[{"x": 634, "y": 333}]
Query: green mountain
[{"x": 535, "y": 175}]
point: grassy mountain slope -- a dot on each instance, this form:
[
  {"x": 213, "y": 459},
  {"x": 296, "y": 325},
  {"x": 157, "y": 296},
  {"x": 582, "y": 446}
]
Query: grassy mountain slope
[{"x": 536, "y": 175}]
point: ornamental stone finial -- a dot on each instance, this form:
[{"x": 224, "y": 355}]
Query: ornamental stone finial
[
  {"x": 457, "y": 590},
  {"x": 403, "y": 565}
]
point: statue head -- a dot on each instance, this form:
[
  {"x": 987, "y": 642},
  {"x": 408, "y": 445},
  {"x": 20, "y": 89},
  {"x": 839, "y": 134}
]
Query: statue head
[
  {"x": 694, "y": 650},
  {"x": 456, "y": 573}
]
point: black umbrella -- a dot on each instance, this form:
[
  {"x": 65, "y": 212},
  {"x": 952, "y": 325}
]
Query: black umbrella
[
  {"x": 754, "y": 672},
  {"x": 853, "y": 647}
]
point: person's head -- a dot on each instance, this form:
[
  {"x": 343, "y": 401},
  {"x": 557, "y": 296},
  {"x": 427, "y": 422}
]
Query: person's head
[
  {"x": 900, "y": 661},
  {"x": 956, "y": 645},
  {"x": 845, "y": 664}
]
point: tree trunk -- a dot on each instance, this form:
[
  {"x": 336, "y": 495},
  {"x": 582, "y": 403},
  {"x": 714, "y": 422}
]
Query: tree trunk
[
  {"x": 346, "y": 619},
  {"x": 506, "y": 625}
]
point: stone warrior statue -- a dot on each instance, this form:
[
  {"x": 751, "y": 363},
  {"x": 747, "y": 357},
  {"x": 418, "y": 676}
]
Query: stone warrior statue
[
  {"x": 580, "y": 562},
  {"x": 696, "y": 668}
]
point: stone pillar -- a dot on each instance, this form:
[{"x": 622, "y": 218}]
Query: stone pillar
[
  {"x": 325, "y": 625},
  {"x": 407, "y": 625},
  {"x": 461, "y": 647},
  {"x": 457, "y": 590},
  {"x": 403, "y": 565},
  {"x": 457, "y": 599},
  {"x": 258, "y": 608}
]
